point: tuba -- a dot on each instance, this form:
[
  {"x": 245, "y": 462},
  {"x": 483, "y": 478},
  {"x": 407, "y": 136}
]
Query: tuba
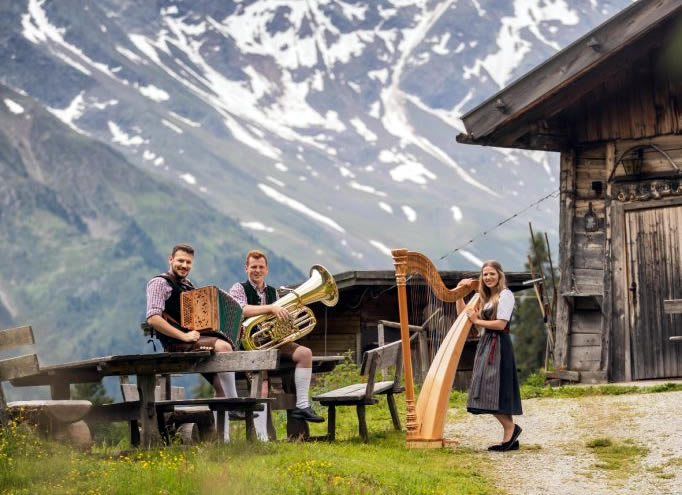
[{"x": 267, "y": 332}]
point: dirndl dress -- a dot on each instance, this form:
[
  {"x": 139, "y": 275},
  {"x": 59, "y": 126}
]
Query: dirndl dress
[{"x": 494, "y": 383}]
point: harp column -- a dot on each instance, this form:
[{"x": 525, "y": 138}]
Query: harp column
[{"x": 400, "y": 263}]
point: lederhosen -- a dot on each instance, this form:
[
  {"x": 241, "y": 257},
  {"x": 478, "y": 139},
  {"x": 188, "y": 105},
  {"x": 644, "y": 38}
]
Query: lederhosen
[
  {"x": 494, "y": 383},
  {"x": 172, "y": 315}
]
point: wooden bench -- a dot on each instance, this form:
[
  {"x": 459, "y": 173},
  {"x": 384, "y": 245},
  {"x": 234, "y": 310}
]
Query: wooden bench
[
  {"x": 363, "y": 394},
  {"x": 57, "y": 418},
  {"x": 191, "y": 419}
]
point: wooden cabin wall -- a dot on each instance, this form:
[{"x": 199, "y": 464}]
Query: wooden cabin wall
[
  {"x": 593, "y": 334},
  {"x": 631, "y": 105},
  {"x": 579, "y": 333}
]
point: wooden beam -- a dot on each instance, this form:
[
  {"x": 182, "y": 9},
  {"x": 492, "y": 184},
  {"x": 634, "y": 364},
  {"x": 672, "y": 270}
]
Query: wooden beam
[
  {"x": 15, "y": 337},
  {"x": 571, "y": 376},
  {"x": 607, "y": 302},
  {"x": 672, "y": 306},
  {"x": 566, "y": 215},
  {"x": 568, "y": 65}
]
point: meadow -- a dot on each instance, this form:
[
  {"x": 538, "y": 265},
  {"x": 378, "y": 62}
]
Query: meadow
[{"x": 32, "y": 465}]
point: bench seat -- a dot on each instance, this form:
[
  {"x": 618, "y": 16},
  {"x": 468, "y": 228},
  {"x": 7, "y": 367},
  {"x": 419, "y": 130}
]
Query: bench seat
[
  {"x": 363, "y": 394},
  {"x": 353, "y": 393}
]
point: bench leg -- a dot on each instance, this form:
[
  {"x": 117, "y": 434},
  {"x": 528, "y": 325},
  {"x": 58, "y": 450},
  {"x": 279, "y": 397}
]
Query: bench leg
[
  {"x": 331, "y": 423},
  {"x": 220, "y": 427},
  {"x": 134, "y": 434},
  {"x": 394, "y": 411},
  {"x": 362, "y": 423},
  {"x": 272, "y": 434},
  {"x": 250, "y": 426}
]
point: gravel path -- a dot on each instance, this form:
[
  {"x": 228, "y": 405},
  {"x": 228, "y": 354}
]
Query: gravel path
[{"x": 554, "y": 457}]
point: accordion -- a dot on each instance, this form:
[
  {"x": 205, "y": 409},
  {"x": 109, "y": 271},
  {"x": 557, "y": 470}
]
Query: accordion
[{"x": 209, "y": 309}]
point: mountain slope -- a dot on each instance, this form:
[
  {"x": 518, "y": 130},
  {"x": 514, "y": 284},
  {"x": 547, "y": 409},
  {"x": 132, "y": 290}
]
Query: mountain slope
[
  {"x": 326, "y": 127},
  {"x": 82, "y": 230}
]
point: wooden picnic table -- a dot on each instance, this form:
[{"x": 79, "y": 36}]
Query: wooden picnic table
[
  {"x": 145, "y": 367},
  {"x": 673, "y": 306}
]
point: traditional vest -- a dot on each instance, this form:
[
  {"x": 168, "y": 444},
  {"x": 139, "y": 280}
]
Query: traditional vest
[
  {"x": 172, "y": 308},
  {"x": 252, "y": 297}
]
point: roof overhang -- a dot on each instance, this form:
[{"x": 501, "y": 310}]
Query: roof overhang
[{"x": 523, "y": 107}]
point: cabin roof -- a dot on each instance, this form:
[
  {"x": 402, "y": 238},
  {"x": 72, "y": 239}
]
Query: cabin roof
[
  {"x": 386, "y": 278},
  {"x": 517, "y": 116}
]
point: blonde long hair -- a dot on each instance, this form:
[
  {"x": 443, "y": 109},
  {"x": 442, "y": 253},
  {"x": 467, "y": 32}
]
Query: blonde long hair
[{"x": 486, "y": 294}]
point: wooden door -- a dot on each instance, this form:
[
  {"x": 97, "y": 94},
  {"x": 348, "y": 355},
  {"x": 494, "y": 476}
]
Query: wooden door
[{"x": 654, "y": 274}]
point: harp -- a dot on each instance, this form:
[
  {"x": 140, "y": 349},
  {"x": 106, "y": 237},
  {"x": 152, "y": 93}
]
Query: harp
[{"x": 426, "y": 419}]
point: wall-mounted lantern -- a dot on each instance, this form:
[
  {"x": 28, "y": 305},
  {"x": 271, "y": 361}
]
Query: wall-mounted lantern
[
  {"x": 632, "y": 161},
  {"x": 591, "y": 220}
]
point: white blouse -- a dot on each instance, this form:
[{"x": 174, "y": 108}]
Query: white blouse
[{"x": 505, "y": 307}]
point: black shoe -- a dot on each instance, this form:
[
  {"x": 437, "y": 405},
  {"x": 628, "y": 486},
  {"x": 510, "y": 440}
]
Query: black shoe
[
  {"x": 498, "y": 447},
  {"x": 307, "y": 414},
  {"x": 507, "y": 445},
  {"x": 237, "y": 416}
]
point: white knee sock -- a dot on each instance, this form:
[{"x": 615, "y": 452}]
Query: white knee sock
[
  {"x": 226, "y": 435},
  {"x": 228, "y": 384},
  {"x": 260, "y": 421},
  {"x": 302, "y": 381}
]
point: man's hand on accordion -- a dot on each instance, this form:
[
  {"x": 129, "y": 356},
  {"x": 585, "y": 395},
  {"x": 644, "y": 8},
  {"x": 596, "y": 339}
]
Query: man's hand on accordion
[{"x": 191, "y": 336}]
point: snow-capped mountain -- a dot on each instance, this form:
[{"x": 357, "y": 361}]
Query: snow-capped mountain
[{"x": 326, "y": 127}]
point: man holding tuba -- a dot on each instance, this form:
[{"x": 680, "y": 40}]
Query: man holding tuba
[{"x": 257, "y": 298}]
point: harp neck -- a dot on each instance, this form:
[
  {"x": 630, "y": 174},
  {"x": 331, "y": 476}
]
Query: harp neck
[{"x": 407, "y": 262}]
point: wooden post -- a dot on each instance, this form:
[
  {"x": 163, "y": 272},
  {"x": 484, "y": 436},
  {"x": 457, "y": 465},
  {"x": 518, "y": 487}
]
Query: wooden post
[
  {"x": 146, "y": 385},
  {"x": 400, "y": 263},
  {"x": 607, "y": 302},
  {"x": 380, "y": 343},
  {"x": 567, "y": 214}
]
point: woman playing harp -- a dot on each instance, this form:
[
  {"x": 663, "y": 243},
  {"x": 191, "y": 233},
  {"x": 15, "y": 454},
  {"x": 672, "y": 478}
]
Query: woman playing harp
[
  {"x": 494, "y": 385},
  {"x": 426, "y": 418}
]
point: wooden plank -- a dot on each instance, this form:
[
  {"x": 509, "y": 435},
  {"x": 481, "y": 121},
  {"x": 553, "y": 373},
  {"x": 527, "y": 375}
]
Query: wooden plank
[
  {"x": 618, "y": 317},
  {"x": 585, "y": 340},
  {"x": 607, "y": 302},
  {"x": 15, "y": 337},
  {"x": 566, "y": 206},
  {"x": 63, "y": 411},
  {"x": 587, "y": 322},
  {"x": 672, "y": 306},
  {"x": 593, "y": 377},
  {"x": 572, "y": 376},
  {"x": 18, "y": 367}
]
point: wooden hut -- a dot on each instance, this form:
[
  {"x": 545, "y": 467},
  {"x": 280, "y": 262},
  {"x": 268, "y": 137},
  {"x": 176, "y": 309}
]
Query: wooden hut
[
  {"x": 611, "y": 104},
  {"x": 365, "y": 298}
]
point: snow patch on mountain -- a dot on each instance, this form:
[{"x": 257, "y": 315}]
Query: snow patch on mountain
[
  {"x": 471, "y": 257},
  {"x": 123, "y": 138},
  {"x": 410, "y": 214},
  {"x": 529, "y": 17},
  {"x": 381, "y": 247},
  {"x": 257, "y": 226},
  {"x": 296, "y": 205},
  {"x": 13, "y": 106}
]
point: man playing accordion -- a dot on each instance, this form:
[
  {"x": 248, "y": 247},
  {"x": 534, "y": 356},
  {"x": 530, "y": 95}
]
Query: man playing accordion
[{"x": 163, "y": 315}]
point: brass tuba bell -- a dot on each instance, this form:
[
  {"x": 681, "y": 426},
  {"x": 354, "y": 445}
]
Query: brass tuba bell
[{"x": 267, "y": 332}]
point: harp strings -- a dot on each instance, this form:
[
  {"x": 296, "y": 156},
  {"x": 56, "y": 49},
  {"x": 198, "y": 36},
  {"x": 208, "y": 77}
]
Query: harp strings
[{"x": 428, "y": 311}]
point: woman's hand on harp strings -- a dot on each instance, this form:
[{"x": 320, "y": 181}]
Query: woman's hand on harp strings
[{"x": 466, "y": 282}]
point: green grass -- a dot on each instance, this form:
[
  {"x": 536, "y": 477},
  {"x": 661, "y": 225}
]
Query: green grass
[
  {"x": 619, "y": 459},
  {"x": 534, "y": 387},
  {"x": 383, "y": 466}
]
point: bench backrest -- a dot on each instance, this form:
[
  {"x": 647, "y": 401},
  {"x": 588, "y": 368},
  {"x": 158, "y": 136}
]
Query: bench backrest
[
  {"x": 130, "y": 393},
  {"x": 18, "y": 366},
  {"x": 382, "y": 358}
]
